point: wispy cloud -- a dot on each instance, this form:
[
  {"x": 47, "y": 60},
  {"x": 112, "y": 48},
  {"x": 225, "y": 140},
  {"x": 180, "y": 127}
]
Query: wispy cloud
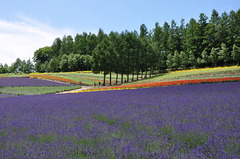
[{"x": 19, "y": 39}]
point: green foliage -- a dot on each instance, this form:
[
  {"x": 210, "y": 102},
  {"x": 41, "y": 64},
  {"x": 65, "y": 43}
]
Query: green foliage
[
  {"x": 192, "y": 139},
  {"x": 105, "y": 119},
  {"x": 126, "y": 125}
]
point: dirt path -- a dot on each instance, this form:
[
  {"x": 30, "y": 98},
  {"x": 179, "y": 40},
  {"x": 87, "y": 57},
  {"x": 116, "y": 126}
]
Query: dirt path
[{"x": 80, "y": 89}]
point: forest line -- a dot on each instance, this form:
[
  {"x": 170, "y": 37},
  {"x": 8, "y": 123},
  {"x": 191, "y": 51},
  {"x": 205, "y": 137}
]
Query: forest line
[{"x": 206, "y": 42}]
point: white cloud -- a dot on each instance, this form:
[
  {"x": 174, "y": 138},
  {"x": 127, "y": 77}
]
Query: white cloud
[{"x": 19, "y": 39}]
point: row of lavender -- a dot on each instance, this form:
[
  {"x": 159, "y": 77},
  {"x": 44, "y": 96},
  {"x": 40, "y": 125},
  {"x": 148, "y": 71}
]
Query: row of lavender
[
  {"x": 187, "y": 121},
  {"x": 25, "y": 81}
]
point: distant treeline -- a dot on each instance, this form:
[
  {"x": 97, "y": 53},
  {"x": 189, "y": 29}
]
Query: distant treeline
[{"x": 205, "y": 42}]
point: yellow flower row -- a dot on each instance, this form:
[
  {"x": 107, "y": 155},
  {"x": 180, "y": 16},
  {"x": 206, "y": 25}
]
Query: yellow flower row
[
  {"x": 107, "y": 89},
  {"x": 203, "y": 69},
  {"x": 60, "y": 72}
]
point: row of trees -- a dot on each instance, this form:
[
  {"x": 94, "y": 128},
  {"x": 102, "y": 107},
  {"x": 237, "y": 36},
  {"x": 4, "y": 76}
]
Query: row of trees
[
  {"x": 200, "y": 43},
  {"x": 217, "y": 56},
  {"x": 204, "y": 42},
  {"x": 18, "y": 66}
]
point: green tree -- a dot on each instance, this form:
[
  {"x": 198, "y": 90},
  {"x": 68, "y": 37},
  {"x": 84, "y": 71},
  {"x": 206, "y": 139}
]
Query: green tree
[
  {"x": 91, "y": 43},
  {"x": 80, "y": 44},
  {"x": 234, "y": 28},
  {"x": 115, "y": 41},
  {"x": 184, "y": 59},
  {"x": 72, "y": 62},
  {"x": 192, "y": 39},
  {"x": 2, "y": 70},
  {"x": 165, "y": 38},
  {"x": 144, "y": 54},
  {"x": 67, "y": 45},
  {"x": 53, "y": 65},
  {"x": 236, "y": 54},
  {"x": 101, "y": 58},
  {"x": 63, "y": 64},
  {"x": 174, "y": 37},
  {"x": 87, "y": 60},
  {"x": 214, "y": 56},
  {"x": 176, "y": 60},
  {"x": 16, "y": 66},
  {"x": 169, "y": 61},
  {"x": 41, "y": 56},
  {"x": 212, "y": 31},
  {"x": 205, "y": 58},
  {"x": 157, "y": 34},
  {"x": 192, "y": 59},
  {"x": 27, "y": 66},
  {"x": 6, "y": 68},
  {"x": 143, "y": 31},
  {"x": 223, "y": 34},
  {"x": 224, "y": 54},
  {"x": 202, "y": 31},
  {"x": 56, "y": 47}
]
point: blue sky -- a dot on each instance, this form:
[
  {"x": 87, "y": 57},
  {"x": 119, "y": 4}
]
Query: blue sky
[{"x": 27, "y": 25}]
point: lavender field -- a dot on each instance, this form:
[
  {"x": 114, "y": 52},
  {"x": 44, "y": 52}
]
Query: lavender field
[{"x": 187, "y": 121}]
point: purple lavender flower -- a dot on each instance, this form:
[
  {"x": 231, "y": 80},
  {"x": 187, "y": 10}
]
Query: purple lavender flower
[{"x": 187, "y": 121}]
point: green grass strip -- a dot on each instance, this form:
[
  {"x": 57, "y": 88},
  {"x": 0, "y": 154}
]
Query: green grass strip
[{"x": 36, "y": 90}]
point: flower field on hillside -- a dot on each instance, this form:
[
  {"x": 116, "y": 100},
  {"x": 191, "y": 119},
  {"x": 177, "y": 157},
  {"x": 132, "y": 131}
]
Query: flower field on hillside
[
  {"x": 186, "y": 121},
  {"x": 164, "y": 83},
  {"x": 55, "y": 78},
  {"x": 24, "y": 81}
]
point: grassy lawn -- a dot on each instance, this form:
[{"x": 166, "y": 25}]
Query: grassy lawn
[{"x": 36, "y": 90}]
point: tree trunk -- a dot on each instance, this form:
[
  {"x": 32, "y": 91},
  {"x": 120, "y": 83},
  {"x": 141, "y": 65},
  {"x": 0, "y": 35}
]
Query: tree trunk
[
  {"x": 133, "y": 76},
  {"x": 121, "y": 78},
  {"x": 116, "y": 78},
  {"x": 127, "y": 77},
  {"x": 110, "y": 78},
  {"x": 104, "y": 78},
  {"x": 137, "y": 75}
]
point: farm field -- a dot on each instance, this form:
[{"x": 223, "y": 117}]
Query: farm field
[
  {"x": 88, "y": 78},
  {"x": 204, "y": 73},
  {"x": 186, "y": 121}
]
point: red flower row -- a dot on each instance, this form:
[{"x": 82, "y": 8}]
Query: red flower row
[
  {"x": 55, "y": 78},
  {"x": 171, "y": 83}
]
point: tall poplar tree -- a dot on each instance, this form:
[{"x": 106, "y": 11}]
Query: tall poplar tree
[{"x": 236, "y": 54}]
